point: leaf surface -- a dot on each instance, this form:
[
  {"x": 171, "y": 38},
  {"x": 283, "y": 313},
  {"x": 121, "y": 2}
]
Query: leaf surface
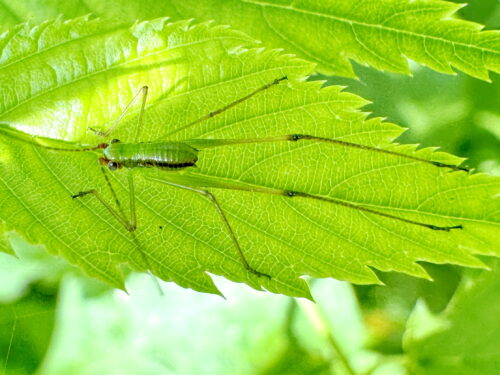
[
  {"x": 381, "y": 33},
  {"x": 466, "y": 337},
  {"x": 83, "y": 73},
  {"x": 5, "y": 246}
]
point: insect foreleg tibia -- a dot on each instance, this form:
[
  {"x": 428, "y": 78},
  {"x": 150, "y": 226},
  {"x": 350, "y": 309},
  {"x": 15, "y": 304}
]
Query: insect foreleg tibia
[
  {"x": 144, "y": 92},
  {"x": 209, "y": 143},
  {"x": 212, "y": 198}
]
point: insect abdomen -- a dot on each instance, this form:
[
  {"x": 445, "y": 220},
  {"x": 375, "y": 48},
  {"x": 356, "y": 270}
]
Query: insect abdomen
[{"x": 167, "y": 155}]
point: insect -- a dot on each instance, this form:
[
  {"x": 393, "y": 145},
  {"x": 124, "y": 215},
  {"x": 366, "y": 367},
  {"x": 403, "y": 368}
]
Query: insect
[{"x": 174, "y": 156}]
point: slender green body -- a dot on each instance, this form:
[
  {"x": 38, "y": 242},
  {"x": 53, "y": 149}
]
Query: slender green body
[{"x": 168, "y": 155}]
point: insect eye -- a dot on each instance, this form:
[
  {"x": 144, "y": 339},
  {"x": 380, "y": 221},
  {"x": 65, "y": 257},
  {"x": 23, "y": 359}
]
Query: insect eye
[
  {"x": 115, "y": 141},
  {"x": 112, "y": 165}
]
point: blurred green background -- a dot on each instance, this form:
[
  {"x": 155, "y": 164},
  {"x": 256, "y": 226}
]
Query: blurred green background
[{"x": 54, "y": 320}]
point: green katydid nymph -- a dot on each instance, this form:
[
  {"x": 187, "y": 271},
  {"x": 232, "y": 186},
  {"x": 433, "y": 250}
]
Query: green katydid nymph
[{"x": 179, "y": 155}]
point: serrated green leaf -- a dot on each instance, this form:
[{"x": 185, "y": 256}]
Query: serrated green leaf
[
  {"x": 465, "y": 338},
  {"x": 86, "y": 78},
  {"x": 380, "y": 33},
  {"x": 26, "y": 326}
]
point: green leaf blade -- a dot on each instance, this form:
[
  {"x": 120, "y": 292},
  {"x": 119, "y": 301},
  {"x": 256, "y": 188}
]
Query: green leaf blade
[
  {"x": 192, "y": 71},
  {"x": 454, "y": 343},
  {"x": 381, "y": 33},
  {"x": 79, "y": 55}
]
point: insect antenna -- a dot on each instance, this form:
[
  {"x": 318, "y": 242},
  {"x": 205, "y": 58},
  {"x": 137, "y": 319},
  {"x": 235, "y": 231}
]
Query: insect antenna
[
  {"x": 83, "y": 149},
  {"x": 39, "y": 141}
]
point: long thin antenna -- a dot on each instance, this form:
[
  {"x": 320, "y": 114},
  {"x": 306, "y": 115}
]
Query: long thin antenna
[
  {"x": 37, "y": 141},
  {"x": 81, "y": 149},
  {"x": 84, "y": 149}
]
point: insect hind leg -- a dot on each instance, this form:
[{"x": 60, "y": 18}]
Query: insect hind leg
[
  {"x": 207, "y": 181},
  {"x": 210, "y": 143},
  {"x": 229, "y": 230}
]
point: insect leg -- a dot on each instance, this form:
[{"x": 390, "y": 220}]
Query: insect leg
[
  {"x": 210, "y": 143},
  {"x": 230, "y": 105},
  {"x": 115, "y": 213},
  {"x": 204, "y": 181},
  {"x": 129, "y": 225},
  {"x": 133, "y": 217},
  {"x": 144, "y": 92},
  {"x": 214, "y": 201}
]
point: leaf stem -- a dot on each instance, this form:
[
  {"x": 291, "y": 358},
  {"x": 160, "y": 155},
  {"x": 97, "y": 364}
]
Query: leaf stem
[{"x": 319, "y": 321}]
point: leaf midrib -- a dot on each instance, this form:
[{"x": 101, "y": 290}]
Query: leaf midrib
[
  {"x": 61, "y": 44},
  {"x": 103, "y": 71}
]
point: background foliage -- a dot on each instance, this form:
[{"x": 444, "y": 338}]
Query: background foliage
[{"x": 146, "y": 333}]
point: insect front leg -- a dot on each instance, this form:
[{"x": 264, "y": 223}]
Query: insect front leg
[{"x": 130, "y": 224}]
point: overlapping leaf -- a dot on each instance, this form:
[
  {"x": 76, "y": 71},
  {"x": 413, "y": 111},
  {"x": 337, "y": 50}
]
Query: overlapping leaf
[
  {"x": 380, "y": 33},
  {"x": 465, "y": 338},
  {"x": 66, "y": 76}
]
